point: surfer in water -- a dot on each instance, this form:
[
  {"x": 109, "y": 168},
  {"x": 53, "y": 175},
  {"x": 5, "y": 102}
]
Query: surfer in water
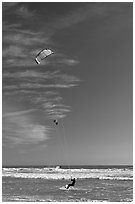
[{"x": 71, "y": 184}]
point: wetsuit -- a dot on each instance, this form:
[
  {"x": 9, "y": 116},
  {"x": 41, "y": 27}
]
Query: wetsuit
[{"x": 71, "y": 184}]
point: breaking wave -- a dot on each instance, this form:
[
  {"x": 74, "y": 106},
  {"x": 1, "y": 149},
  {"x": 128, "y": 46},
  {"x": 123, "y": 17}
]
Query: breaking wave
[{"x": 59, "y": 173}]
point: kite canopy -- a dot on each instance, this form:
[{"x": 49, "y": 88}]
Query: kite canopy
[{"x": 42, "y": 55}]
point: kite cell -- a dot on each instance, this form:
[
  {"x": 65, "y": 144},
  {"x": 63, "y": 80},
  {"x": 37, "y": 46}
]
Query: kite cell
[{"x": 42, "y": 55}]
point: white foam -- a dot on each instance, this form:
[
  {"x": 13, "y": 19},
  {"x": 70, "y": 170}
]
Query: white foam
[{"x": 58, "y": 173}]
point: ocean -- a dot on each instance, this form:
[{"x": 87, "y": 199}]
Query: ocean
[{"x": 47, "y": 184}]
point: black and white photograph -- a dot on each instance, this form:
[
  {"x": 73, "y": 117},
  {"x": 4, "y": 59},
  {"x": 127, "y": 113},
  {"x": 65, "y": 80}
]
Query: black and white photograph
[{"x": 67, "y": 101}]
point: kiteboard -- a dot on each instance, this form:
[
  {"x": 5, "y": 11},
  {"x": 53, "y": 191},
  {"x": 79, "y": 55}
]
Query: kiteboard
[{"x": 67, "y": 189}]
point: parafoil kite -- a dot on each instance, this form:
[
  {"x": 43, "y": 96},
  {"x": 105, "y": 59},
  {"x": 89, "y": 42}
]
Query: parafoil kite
[{"x": 42, "y": 55}]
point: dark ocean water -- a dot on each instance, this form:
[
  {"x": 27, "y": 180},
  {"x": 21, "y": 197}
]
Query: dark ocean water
[{"x": 94, "y": 183}]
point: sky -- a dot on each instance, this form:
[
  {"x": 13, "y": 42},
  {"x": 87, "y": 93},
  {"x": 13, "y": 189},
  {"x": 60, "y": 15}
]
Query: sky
[{"x": 86, "y": 84}]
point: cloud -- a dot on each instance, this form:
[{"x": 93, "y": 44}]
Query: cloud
[
  {"x": 33, "y": 86},
  {"x": 72, "y": 17},
  {"x": 16, "y": 28},
  {"x": 30, "y": 74},
  {"x": 14, "y": 51},
  {"x": 55, "y": 110},
  {"x": 20, "y": 46},
  {"x": 26, "y": 134},
  {"x": 75, "y": 15},
  {"x": 19, "y": 129},
  {"x": 82, "y": 12},
  {"x": 23, "y": 79},
  {"x": 24, "y": 12},
  {"x": 35, "y": 79},
  {"x": 8, "y": 5},
  {"x": 38, "y": 86},
  {"x": 27, "y": 73},
  {"x": 19, "y": 62},
  {"x": 24, "y": 39},
  {"x": 17, "y": 9},
  {"x": 17, "y": 113},
  {"x": 7, "y": 27},
  {"x": 66, "y": 61},
  {"x": 51, "y": 104},
  {"x": 90, "y": 12},
  {"x": 70, "y": 61},
  {"x": 29, "y": 92}
]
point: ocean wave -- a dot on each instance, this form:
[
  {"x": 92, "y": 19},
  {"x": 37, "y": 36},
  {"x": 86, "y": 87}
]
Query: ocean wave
[{"x": 58, "y": 173}]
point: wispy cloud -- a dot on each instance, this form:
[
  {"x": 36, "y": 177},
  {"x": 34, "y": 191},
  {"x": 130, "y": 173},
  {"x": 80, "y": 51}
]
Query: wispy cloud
[
  {"x": 20, "y": 45},
  {"x": 23, "y": 79},
  {"x": 14, "y": 51},
  {"x": 54, "y": 109},
  {"x": 33, "y": 86},
  {"x": 24, "y": 12},
  {"x": 38, "y": 86},
  {"x": 88, "y": 11},
  {"x": 36, "y": 80},
  {"x": 20, "y": 49},
  {"x": 40, "y": 77},
  {"x": 51, "y": 104},
  {"x": 24, "y": 39},
  {"x": 83, "y": 11},
  {"x": 11, "y": 114},
  {"x": 67, "y": 61},
  {"x": 70, "y": 61},
  {"x": 19, "y": 129},
  {"x": 17, "y": 9},
  {"x": 56, "y": 112}
]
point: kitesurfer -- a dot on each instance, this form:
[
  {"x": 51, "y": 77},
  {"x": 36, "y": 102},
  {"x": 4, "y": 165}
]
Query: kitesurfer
[{"x": 71, "y": 184}]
